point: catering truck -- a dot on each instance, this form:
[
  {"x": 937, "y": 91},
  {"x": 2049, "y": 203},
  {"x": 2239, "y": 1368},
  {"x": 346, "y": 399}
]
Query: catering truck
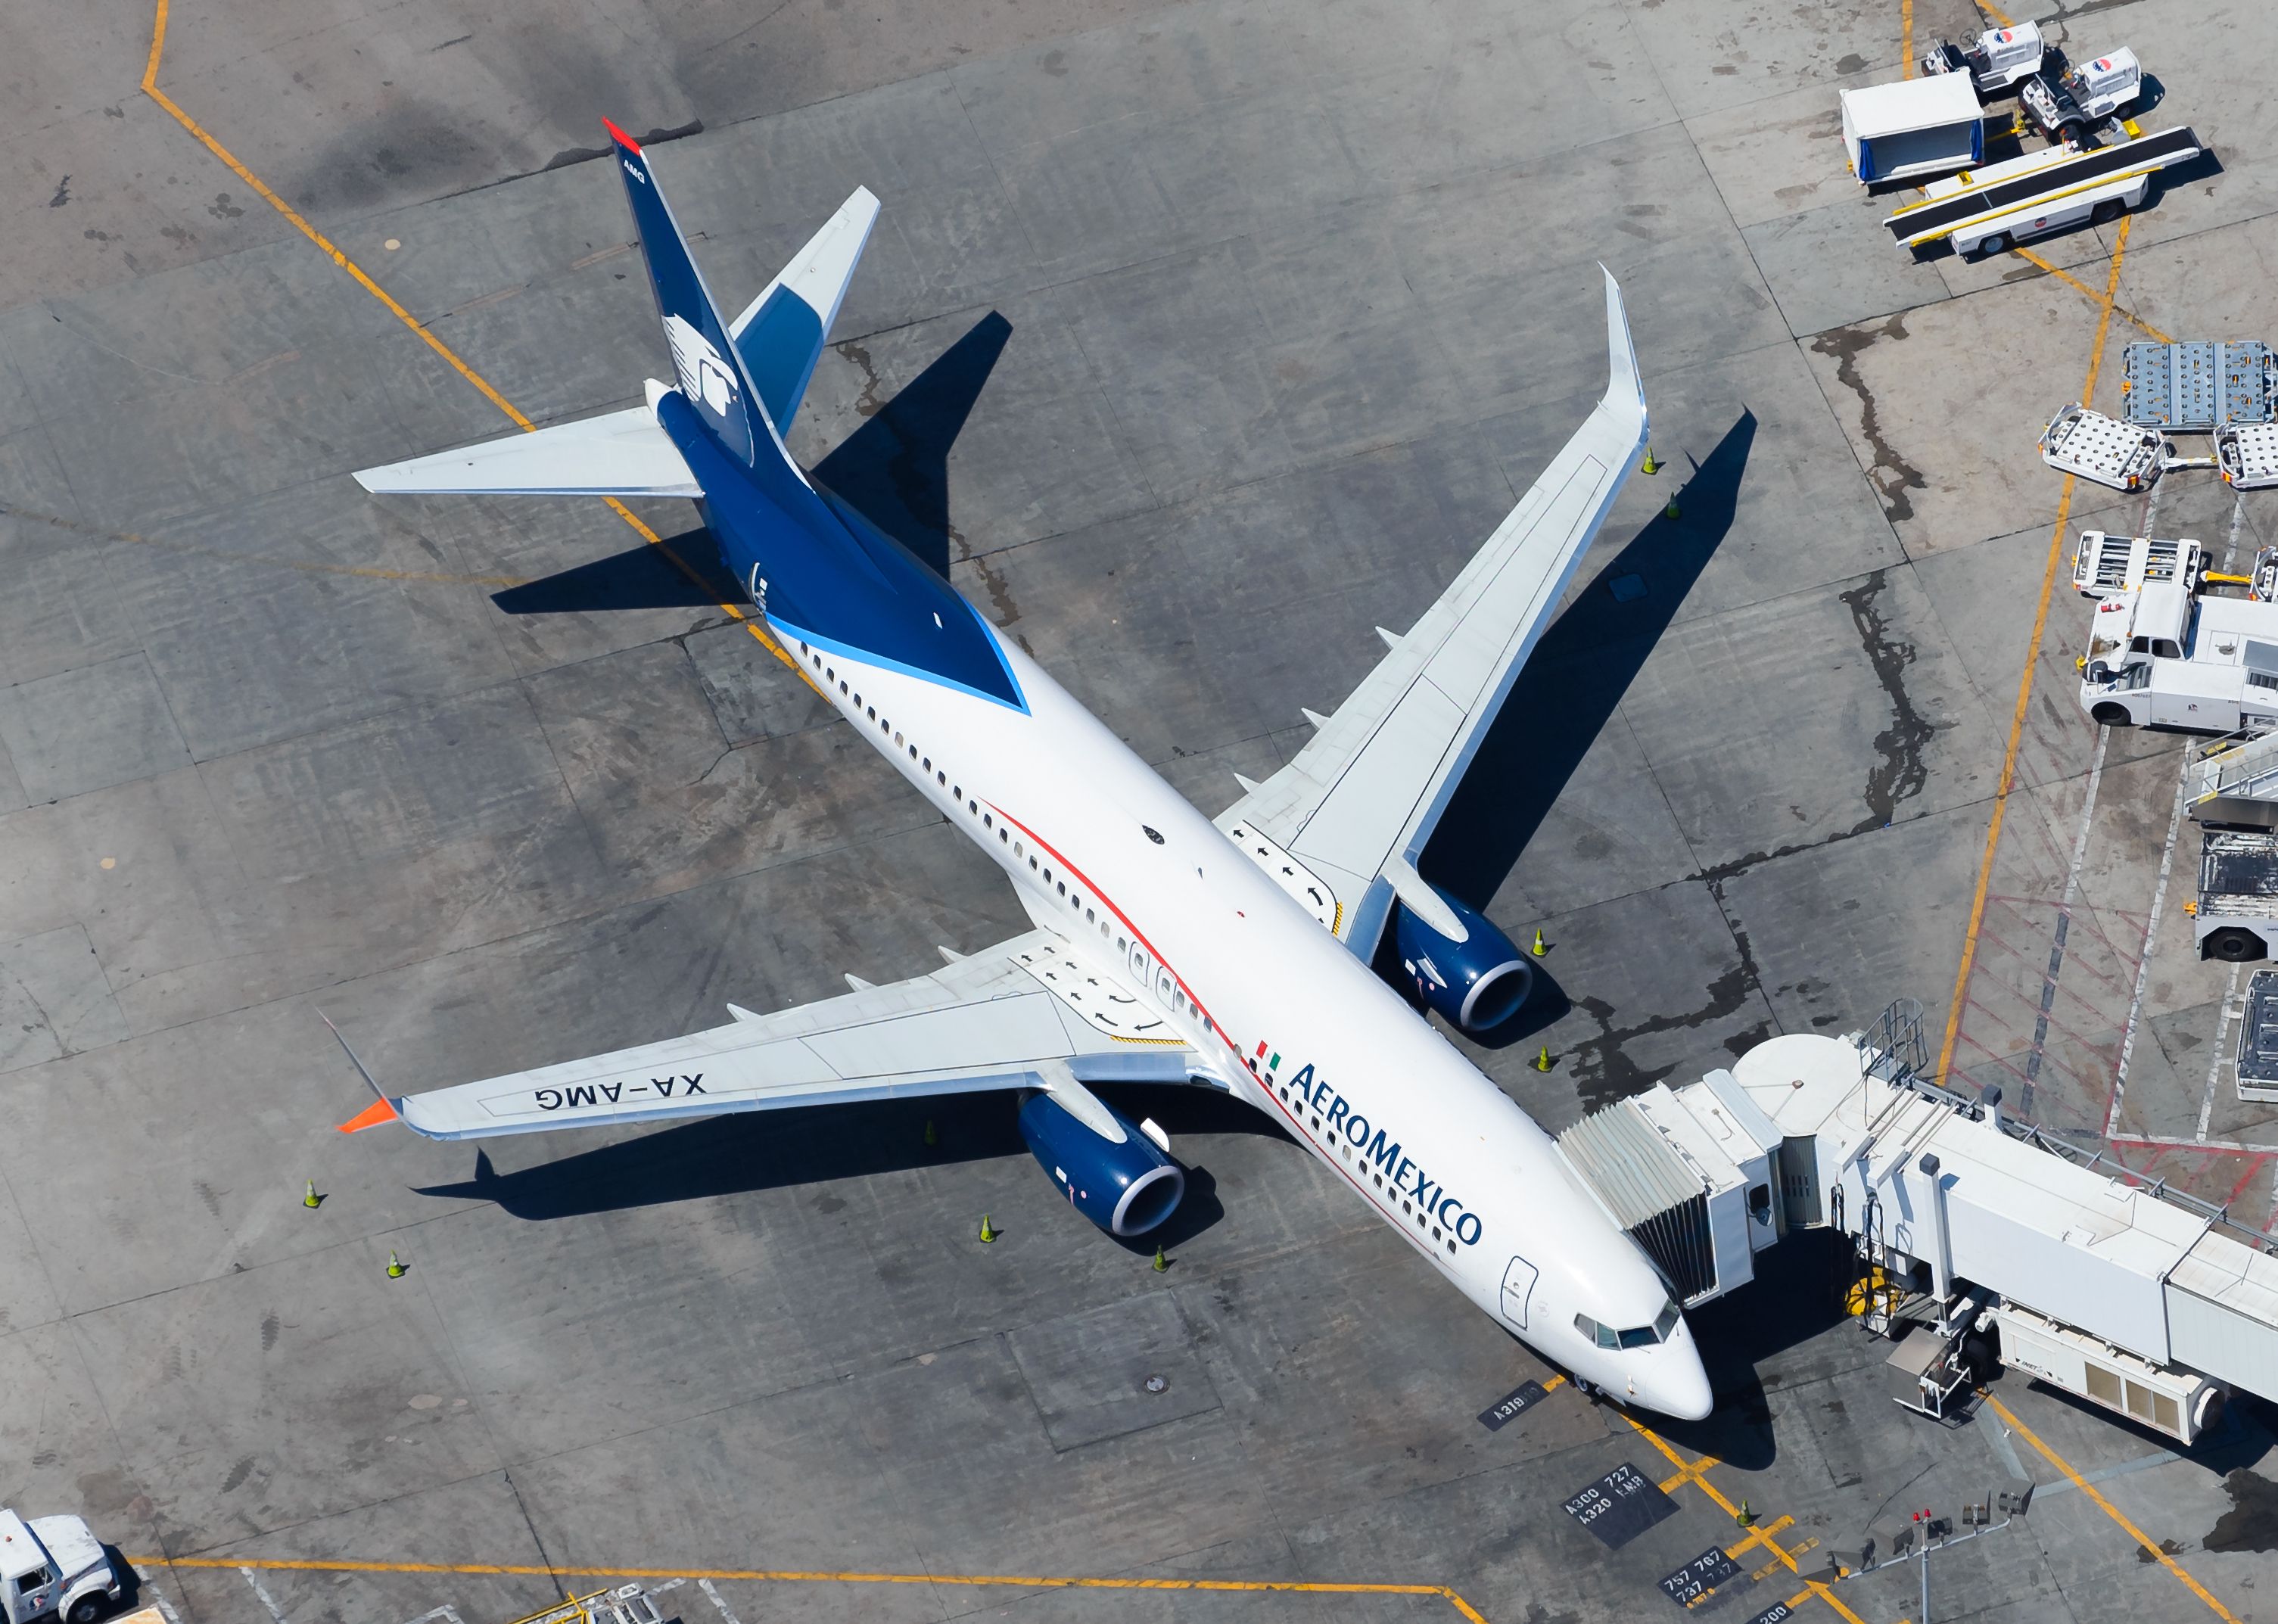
[
  {"x": 53, "y": 1568},
  {"x": 1915, "y": 127}
]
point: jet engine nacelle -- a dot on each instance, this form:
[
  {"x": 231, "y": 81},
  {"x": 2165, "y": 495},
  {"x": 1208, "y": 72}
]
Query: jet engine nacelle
[
  {"x": 1478, "y": 980},
  {"x": 1111, "y": 1171}
]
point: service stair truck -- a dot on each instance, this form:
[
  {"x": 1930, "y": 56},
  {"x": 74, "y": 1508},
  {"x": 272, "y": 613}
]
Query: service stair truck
[
  {"x": 1915, "y": 128},
  {"x": 54, "y": 1567},
  {"x": 2014, "y": 1248}
]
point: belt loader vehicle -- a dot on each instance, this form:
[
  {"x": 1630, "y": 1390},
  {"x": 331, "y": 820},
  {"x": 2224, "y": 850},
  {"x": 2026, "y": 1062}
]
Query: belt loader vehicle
[{"x": 54, "y": 1567}]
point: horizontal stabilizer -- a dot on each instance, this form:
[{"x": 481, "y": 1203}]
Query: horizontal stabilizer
[
  {"x": 780, "y": 334},
  {"x": 623, "y": 454}
]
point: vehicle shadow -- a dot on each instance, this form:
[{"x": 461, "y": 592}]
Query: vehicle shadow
[
  {"x": 1567, "y": 692},
  {"x": 894, "y": 470}
]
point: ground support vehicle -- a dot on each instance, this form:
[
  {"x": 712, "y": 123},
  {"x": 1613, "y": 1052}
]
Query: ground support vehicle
[
  {"x": 54, "y": 1567},
  {"x": 2257, "y": 1060},
  {"x": 1914, "y": 128},
  {"x": 2237, "y": 919},
  {"x": 2177, "y": 653},
  {"x": 2197, "y": 388},
  {"x": 2103, "y": 449},
  {"x": 2067, "y": 101},
  {"x": 2248, "y": 455},
  {"x": 1990, "y": 209},
  {"x": 1995, "y": 62},
  {"x": 2104, "y": 563}
]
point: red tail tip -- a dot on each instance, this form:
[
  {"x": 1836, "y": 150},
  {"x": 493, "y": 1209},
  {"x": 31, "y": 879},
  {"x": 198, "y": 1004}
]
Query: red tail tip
[{"x": 619, "y": 136}]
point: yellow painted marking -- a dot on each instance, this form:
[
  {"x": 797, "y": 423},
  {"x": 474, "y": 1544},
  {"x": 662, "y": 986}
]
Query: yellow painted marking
[
  {"x": 1999, "y": 18},
  {"x": 1907, "y": 36},
  {"x": 772, "y": 1576},
  {"x": 309, "y": 566},
  {"x": 300, "y": 224},
  {"x": 1689, "y": 1474},
  {"x": 2087, "y": 292},
  {"x": 2008, "y": 781},
  {"x": 2143, "y": 1542},
  {"x": 1760, "y": 1535},
  {"x": 1812, "y": 1587}
]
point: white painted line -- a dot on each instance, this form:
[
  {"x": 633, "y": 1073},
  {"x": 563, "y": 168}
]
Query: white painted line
[
  {"x": 726, "y": 1612},
  {"x": 2143, "y": 964},
  {"x": 1998, "y": 1436},
  {"x": 158, "y": 1600},
  {"x": 2107, "y": 1474},
  {"x": 261, "y": 1590},
  {"x": 447, "y": 1613},
  {"x": 2214, "y": 1061},
  {"x": 2231, "y": 547},
  {"x": 2064, "y": 921}
]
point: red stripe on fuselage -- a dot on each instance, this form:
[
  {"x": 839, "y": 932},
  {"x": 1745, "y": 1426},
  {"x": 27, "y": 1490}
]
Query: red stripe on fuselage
[{"x": 1295, "y": 1121}]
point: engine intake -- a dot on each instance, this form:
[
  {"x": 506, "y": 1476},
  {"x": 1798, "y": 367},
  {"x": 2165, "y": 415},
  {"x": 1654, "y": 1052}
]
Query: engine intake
[
  {"x": 1477, "y": 979},
  {"x": 1110, "y": 1170}
]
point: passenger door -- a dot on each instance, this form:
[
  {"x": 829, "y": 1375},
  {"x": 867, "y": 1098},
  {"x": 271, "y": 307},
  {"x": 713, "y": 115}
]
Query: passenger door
[{"x": 1517, "y": 1286}]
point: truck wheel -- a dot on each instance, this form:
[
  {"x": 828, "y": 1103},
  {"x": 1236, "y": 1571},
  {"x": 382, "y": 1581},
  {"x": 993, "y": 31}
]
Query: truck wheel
[
  {"x": 2110, "y": 210},
  {"x": 2112, "y": 714},
  {"x": 1977, "y": 1353},
  {"x": 2234, "y": 946},
  {"x": 86, "y": 1610},
  {"x": 1997, "y": 243}
]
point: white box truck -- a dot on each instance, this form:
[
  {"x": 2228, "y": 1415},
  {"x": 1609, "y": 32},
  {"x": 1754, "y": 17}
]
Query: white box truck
[
  {"x": 54, "y": 1567},
  {"x": 1917, "y": 127}
]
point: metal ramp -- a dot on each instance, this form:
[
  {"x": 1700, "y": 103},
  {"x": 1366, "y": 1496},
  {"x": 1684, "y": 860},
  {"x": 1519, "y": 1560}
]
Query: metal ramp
[
  {"x": 2104, "y": 563},
  {"x": 2236, "y": 782},
  {"x": 626, "y": 1604},
  {"x": 2103, "y": 449},
  {"x": 2248, "y": 455},
  {"x": 2200, "y": 387}
]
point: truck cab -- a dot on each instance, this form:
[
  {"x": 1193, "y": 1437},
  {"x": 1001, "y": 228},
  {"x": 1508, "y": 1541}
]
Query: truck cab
[
  {"x": 2165, "y": 655},
  {"x": 1995, "y": 62},
  {"x": 53, "y": 1568}
]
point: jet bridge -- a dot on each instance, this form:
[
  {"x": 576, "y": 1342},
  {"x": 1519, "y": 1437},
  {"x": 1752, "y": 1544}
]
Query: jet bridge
[{"x": 2017, "y": 1246}]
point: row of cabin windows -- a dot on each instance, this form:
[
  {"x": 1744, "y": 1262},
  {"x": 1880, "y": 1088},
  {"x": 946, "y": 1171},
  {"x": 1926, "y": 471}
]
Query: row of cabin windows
[
  {"x": 957, "y": 792},
  {"x": 1075, "y": 901},
  {"x": 1423, "y": 1220}
]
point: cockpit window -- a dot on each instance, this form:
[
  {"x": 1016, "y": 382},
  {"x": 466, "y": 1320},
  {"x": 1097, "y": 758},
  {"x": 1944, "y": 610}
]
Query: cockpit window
[{"x": 1642, "y": 1336}]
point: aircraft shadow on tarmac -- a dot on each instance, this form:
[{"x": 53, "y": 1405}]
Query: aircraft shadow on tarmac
[
  {"x": 1567, "y": 692},
  {"x": 768, "y": 1150},
  {"x": 683, "y": 573},
  {"x": 893, "y": 470}
]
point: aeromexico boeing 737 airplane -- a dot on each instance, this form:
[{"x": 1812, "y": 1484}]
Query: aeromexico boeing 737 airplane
[{"x": 1234, "y": 956}]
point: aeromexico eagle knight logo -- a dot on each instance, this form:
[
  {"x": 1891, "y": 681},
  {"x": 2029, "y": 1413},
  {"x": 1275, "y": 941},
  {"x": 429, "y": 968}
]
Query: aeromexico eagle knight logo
[
  {"x": 1378, "y": 1154},
  {"x": 705, "y": 375}
]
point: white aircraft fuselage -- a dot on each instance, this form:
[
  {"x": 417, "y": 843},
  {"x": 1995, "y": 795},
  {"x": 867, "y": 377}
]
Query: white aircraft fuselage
[{"x": 1248, "y": 977}]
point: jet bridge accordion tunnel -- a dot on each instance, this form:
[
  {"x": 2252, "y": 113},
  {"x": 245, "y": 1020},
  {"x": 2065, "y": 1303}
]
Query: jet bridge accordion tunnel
[{"x": 2009, "y": 1243}]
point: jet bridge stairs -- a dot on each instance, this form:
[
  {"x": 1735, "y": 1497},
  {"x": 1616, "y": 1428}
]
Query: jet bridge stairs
[{"x": 1998, "y": 1244}]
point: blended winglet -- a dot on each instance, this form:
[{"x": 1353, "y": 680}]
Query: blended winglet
[
  {"x": 1625, "y": 391},
  {"x": 382, "y": 1109}
]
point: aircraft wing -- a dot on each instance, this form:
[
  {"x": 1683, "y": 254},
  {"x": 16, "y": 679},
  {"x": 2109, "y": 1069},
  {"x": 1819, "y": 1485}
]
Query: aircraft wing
[
  {"x": 621, "y": 454},
  {"x": 1024, "y": 1013},
  {"x": 1342, "y": 825}
]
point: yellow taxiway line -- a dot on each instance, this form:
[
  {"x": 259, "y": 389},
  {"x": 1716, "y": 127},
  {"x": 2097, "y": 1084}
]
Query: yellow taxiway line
[
  {"x": 331, "y": 251},
  {"x": 786, "y": 1575}
]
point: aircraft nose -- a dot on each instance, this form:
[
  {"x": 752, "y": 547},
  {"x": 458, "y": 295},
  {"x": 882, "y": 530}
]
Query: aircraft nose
[{"x": 1680, "y": 1387}]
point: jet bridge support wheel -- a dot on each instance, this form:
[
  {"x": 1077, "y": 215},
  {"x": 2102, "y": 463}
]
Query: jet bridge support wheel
[{"x": 2235, "y": 946}]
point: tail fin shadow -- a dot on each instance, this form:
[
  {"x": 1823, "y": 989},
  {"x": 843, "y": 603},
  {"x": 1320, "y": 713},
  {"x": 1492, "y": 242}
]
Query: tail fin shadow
[{"x": 894, "y": 470}]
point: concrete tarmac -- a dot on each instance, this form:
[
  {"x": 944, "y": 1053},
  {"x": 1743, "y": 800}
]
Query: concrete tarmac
[{"x": 1197, "y": 341}]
